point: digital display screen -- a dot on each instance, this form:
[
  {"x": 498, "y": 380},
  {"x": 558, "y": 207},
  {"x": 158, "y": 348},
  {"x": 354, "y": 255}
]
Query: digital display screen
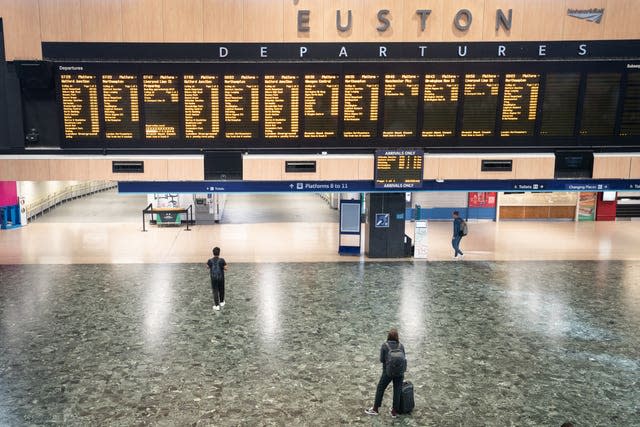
[
  {"x": 480, "y": 104},
  {"x": 161, "y": 106},
  {"x": 360, "y": 110},
  {"x": 120, "y": 105},
  {"x": 281, "y": 106},
  {"x": 401, "y": 92},
  {"x": 440, "y": 98},
  {"x": 560, "y": 104},
  {"x": 80, "y": 114},
  {"x": 321, "y": 105},
  {"x": 201, "y": 106},
  {"x": 242, "y": 106},
  {"x": 630, "y": 125},
  {"x": 600, "y": 104},
  {"x": 399, "y": 168},
  {"x": 520, "y": 104}
]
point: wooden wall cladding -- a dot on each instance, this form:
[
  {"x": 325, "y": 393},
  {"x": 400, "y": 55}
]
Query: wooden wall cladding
[
  {"x": 469, "y": 167},
  {"x": 347, "y": 168},
  {"x": 537, "y": 212},
  {"x": 635, "y": 168},
  {"x": 614, "y": 167},
  {"x": 28, "y": 22}
]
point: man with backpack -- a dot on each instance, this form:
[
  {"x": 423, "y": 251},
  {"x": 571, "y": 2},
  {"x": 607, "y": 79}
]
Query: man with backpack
[
  {"x": 217, "y": 267},
  {"x": 394, "y": 364},
  {"x": 459, "y": 231}
]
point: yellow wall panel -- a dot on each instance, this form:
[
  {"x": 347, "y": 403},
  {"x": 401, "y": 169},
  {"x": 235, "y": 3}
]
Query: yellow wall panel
[
  {"x": 474, "y": 33},
  {"x": 581, "y": 29},
  {"x": 396, "y": 17},
  {"x": 223, "y": 20},
  {"x": 611, "y": 167},
  {"x": 101, "y": 20},
  {"x": 186, "y": 169},
  {"x": 517, "y": 20},
  {"x": 316, "y": 16},
  {"x": 60, "y": 20},
  {"x": 263, "y": 21},
  {"x": 622, "y": 20},
  {"x": 21, "y": 29},
  {"x": 182, "y": 20},
  {"x": 434, "y": 25},
  {"x": 142, "y": 21},
  {"x": 356, "y": 33},
  {"x": 545, "y": 19}
]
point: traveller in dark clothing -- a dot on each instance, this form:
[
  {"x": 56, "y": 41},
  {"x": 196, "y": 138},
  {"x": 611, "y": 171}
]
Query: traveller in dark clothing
[
  {"x": 217, "y": 267},
  {"x": 457, "y": 235},
  {"x": 392, "y": 344}
]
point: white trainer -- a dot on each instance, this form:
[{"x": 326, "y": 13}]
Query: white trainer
[
  {"x": 222, "y": 304},
  {"x": 216, "y": 307}
]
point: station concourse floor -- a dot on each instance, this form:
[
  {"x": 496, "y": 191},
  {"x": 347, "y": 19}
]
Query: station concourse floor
[{"x": 102, "y": 324}]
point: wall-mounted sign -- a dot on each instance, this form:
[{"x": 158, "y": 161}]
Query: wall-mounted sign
[
  {"x": 401, "y": 169},
  {"x": 382, "y": 220}
]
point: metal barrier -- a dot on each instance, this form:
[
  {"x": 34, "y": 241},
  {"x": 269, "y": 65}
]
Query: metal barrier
[
  {"x": 45, "y": 204},
  {"x": 150, "y": 210}
]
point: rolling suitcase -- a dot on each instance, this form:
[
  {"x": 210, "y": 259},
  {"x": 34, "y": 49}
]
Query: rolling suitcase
[{"x": 406, "y": 398}]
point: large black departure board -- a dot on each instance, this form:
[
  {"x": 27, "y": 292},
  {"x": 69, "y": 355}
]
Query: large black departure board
[
  {"x": 80, "y": 113},
  {"x": 321, "y": 105},
  {"x": 480, "y": 104},
  {"x": 281, "y": 106},
  {"x": 201, "y": 106},
  {"x": 242, "y": 106},
  {"x": 560, "y": 104},
  {"x": 360, "y": 109},
  {"x": 600, "y": 104},
  {"x": 350, "y": 105},
  {"x": 630, "y": 124},
  {"x": 401, "y": 169},
  {"x": 520, "y": 104},
  {"x": 401, "y": 92},
  {"x": 120, "y": 105},
  {"x": 441, "y": 95},
  {"x": 161, "y": 105}
]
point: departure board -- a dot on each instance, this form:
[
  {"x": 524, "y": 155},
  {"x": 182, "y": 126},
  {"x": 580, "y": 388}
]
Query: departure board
[
  {"x": 80, "y": 114},
  {"x": 402, "y": 169},
  {"x": 161, "y": 106},
  {"x": 480, "y": 104},
  {"x": 520, "y": 104},
  {"x": 630, "y": 123},
  {"x": 321, "y": 103},
  {"x": 441, "y": 95},
  {"x": 360, "y": 110},
  {"x": 600, "y": 104},
  {"x": 281, "y": 106},
  {"x": 120, "y": 105},
  {"x": 242, "y": 106},
  {"x": 201, "y": 106},
  {"x": 401, "y": 92},
  {"x": 559, "y": 105}
]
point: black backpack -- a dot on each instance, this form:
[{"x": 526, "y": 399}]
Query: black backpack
[
  {"x": 395, "y": 361},
  {"x": 463, "y": 228},
  {"x": 216, "y": 271}
]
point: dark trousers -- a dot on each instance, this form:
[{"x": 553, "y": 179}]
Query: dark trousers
[
  {"x": 218, "y": 291},
  {"x": 455, "y": 242},
  {"x": 382, "y": 386}
]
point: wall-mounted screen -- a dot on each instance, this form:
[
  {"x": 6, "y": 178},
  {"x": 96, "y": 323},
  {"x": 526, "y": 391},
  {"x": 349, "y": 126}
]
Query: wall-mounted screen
[{"x": 399, "y": 168}]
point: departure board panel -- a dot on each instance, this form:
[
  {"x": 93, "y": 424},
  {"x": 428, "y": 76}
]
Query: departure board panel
[
  {"x": 559, "y": 105},
  {"x": 441, "y": 95},
  {"x": 520, "y": 104},
  {"x": 630, "y": 123},
  {"x": 201, "y": 106},
  {"x": 80, "y": 114},
  {"x": 360, "y": 110},
  {"x": 600, "y": 104},
  {"x": 480, "y": 104},
  {"x": 321, "y": 105},
  {"x": 242, "y": 106},
  {"x": 401, "y": 92},
  {"x": 281, "y": 106},
  {"x": 399, "y": 168},
  {"x": 121, "y": 106},
  {"x": 161, "y": 106}
]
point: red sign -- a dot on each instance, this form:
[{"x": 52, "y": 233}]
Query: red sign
[{"x": 482, "y": 200}]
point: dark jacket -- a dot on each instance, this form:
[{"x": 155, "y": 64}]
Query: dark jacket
[
  {"x": 384, "y": 351},
  {"x": 457, "y": 225}
]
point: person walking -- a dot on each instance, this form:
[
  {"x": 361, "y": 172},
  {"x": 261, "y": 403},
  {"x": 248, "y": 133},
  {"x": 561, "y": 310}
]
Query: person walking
[
  {"x": 217, "y": 266},
  {"x": 394, "y": 365},
  {"x": 458, "y": 225}
]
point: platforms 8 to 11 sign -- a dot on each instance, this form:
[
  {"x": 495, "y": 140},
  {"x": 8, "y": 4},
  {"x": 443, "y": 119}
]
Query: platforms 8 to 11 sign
[{"x": 401, "y": 169}]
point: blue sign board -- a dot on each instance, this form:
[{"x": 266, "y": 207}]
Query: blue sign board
[{"x": 382, "y": 220}]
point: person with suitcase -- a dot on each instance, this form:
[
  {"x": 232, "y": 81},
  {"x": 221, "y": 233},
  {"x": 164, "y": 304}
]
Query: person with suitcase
[{"x": 394, "y": 365}]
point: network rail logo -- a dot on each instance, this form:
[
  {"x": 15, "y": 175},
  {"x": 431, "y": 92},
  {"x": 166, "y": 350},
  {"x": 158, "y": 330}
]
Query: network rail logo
[{"x": 591, "y": 15}]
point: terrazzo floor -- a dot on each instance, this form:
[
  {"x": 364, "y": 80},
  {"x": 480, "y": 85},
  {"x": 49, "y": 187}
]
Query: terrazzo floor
[{"x": 488, "y": 343}]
